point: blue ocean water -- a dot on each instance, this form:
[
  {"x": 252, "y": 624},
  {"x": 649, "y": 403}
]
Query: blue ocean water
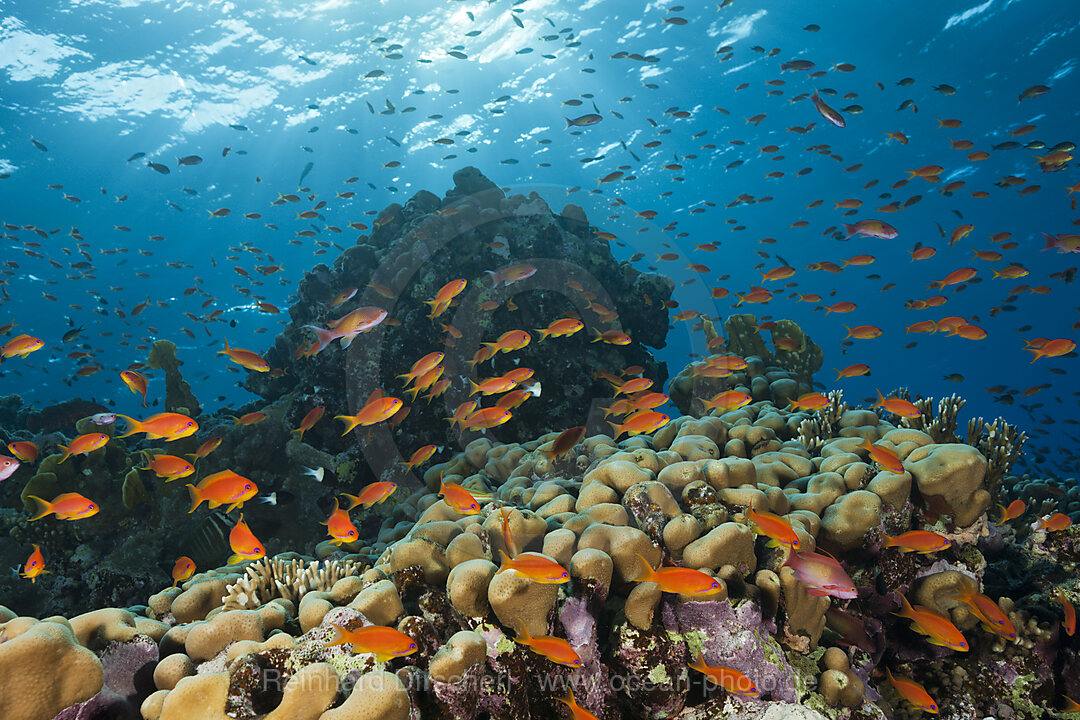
[{"x": 273, "y": 95}]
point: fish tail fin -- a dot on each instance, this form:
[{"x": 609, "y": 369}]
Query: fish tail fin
[
  {"x": 41, "y": 507},
  {"x": 569, "y": 122},
  {"x": 848, "y": 332},
  {"x": 649, "y": 572},
  {"x": 133, "y": 425},
  {"x": 880, "y": 397},
  {"x": 617, "y": 428},
  {"x": 890, "y": 541},
  {"x": 325, "y": 337},
  {"x": 1050, "y": 240},
  {"x": 851, "y": 229},
  {"x": 906, "y": 611},
  {"x": 350, "y": 423},
  {"x": 524, "y": 634},
  {"x": 67, "y": 450},
  {"x": 196, "y": 497},
  {"x": 504, "y": 561}
]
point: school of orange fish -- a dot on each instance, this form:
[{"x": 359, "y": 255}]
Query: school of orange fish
[{"x": 976, "y": 253}]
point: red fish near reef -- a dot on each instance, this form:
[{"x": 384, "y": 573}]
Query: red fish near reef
[
  {"x": 244, "y": 544},
  {"x": 458, "y": 498},
  {"x": 245, "y": 358},
  {"x": 20, "y": 346},
  {"x": 35, "y": 565},
  {"x": 313, "y": 416},
  {"x": 167, "y": 426},
  {"x": 372, "y": 494},
  {"x": 776, "y": 528},
  {"x": 728, "y": 678},
  {"x": 1069, "y": 622},
  {"x": 511, "y": 274},
  {"x": 822, "y": 575},
  {"x": 555, "y": 649},
  {"x": 913, "y": 692},
  {"x": 24, "y": 450},
  {"x": 917, "y": 541},
  {"x": 680, "y": 580},
  {"x": 382, "y": 642},
  {"x": 359, "y": 321},
  {"x": 68, "y": 506},
  {"x": 340, "y": 527},
  {"x": 83, "y": 445},
  {"x": 222, "y": 488},
  {"x": 536, "y": 567},
  {"x": 938, "y": 629},
  {"x": 183, "y": 568},
  {"x": 376, "y": 411}
]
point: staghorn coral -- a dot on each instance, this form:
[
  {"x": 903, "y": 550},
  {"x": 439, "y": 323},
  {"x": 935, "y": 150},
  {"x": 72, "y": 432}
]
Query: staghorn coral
[{"x": 285, "y": 577}]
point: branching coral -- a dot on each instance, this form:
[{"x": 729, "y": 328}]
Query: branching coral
[
  {"x": 1001, "y": 443},
  {"x": 940, "y": 425},
  {"x": 291, "y": 579},
  {"x": 815, "y": 430}
]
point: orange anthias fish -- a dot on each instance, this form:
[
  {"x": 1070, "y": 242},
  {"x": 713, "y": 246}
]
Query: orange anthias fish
[
  {"x": 244, "y": 544},
  {"x": 84, "y": 444},
  {"x": 727, "y": 401},
  {"x": 340, "y": 527},
  {"x": 183, "y": 568},
  {"x": 1052, "y": 348},
  {"x": 250, "y": 418},
  {"x": 206, "y": 448},
  {"x": 555, "y": 649},
  {"x": 35, "y": 565},
  {"x": 359, "y": 321},
  {"x": 1054, "y": 523},
  {"x": 644, "y": 421},
  {"x": 563, "y": 327},
  {"x": 20, "y": 346},
  {"x": 986, "y": 610},
  {"x": 313, "y": 416},
  {"x": 576, "y": 711},
  {"x": 372, "y": 494},
  {"x": 383, "y": 642},
  {"x": 1069, "y": 621},
  {"x": 680, "y": 580},
  {"x": 810, "y": 401},
  {"x": 167, "y": 426},
  {"x": 169, "y": 467},
  {"x": 510, "y": 340},
  {"x": 897, "y": 406},
  {"x": 458, "y": 498},
  {"x": 423, "y": 366},
  {"x": 883, "y": 456},
  {"x": 420, "y": 456},
  {"x": 776, "y": 528},
  {"x": 917, "y": 541},
  {"x": 486, "y": 418},
  {"x": 222, "y": 488},
  {"x": 1016, "y": 509},
  {"x": 68, "y": 506},
  {"x": 913, "y": 692},
  {"x": 938, "y": 629},
  {"x": 245, "y": 358},
  {"x": 376, "y": 411},
  {"x": 728, "y": 678},
  {"x": 136, "y": 382},
  {"x": 536, "y": 567},
  {"x": 24, "y": 450}
]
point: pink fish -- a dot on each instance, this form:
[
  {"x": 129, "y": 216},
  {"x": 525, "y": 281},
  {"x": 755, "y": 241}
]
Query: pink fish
[
  {"x": 8, "y": 466},
  {"x": 827, "y": 112},
  {"x": 821, "y": 574}
]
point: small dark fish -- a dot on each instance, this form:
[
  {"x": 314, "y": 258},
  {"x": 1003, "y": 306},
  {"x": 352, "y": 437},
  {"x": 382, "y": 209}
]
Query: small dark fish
[
  {"x": 954, "y": 377},
  {"x": 308, "y": 60},
  {"x": 393, "y": 142},
  {"x": 38, "y": 145},
  {"x": 304, "y": 173},
  {"x": 189, "y": 160},
  {"x": 136, "y": 156},
  {"x": 174, "y": 206},
  {"x": 71, "y": 335},
  {"x": 225, "y": 150},
  {"x": 238, "y": 127},
  {"x": 584, "y": 120},
  {"x": 158, "y": 167}
]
